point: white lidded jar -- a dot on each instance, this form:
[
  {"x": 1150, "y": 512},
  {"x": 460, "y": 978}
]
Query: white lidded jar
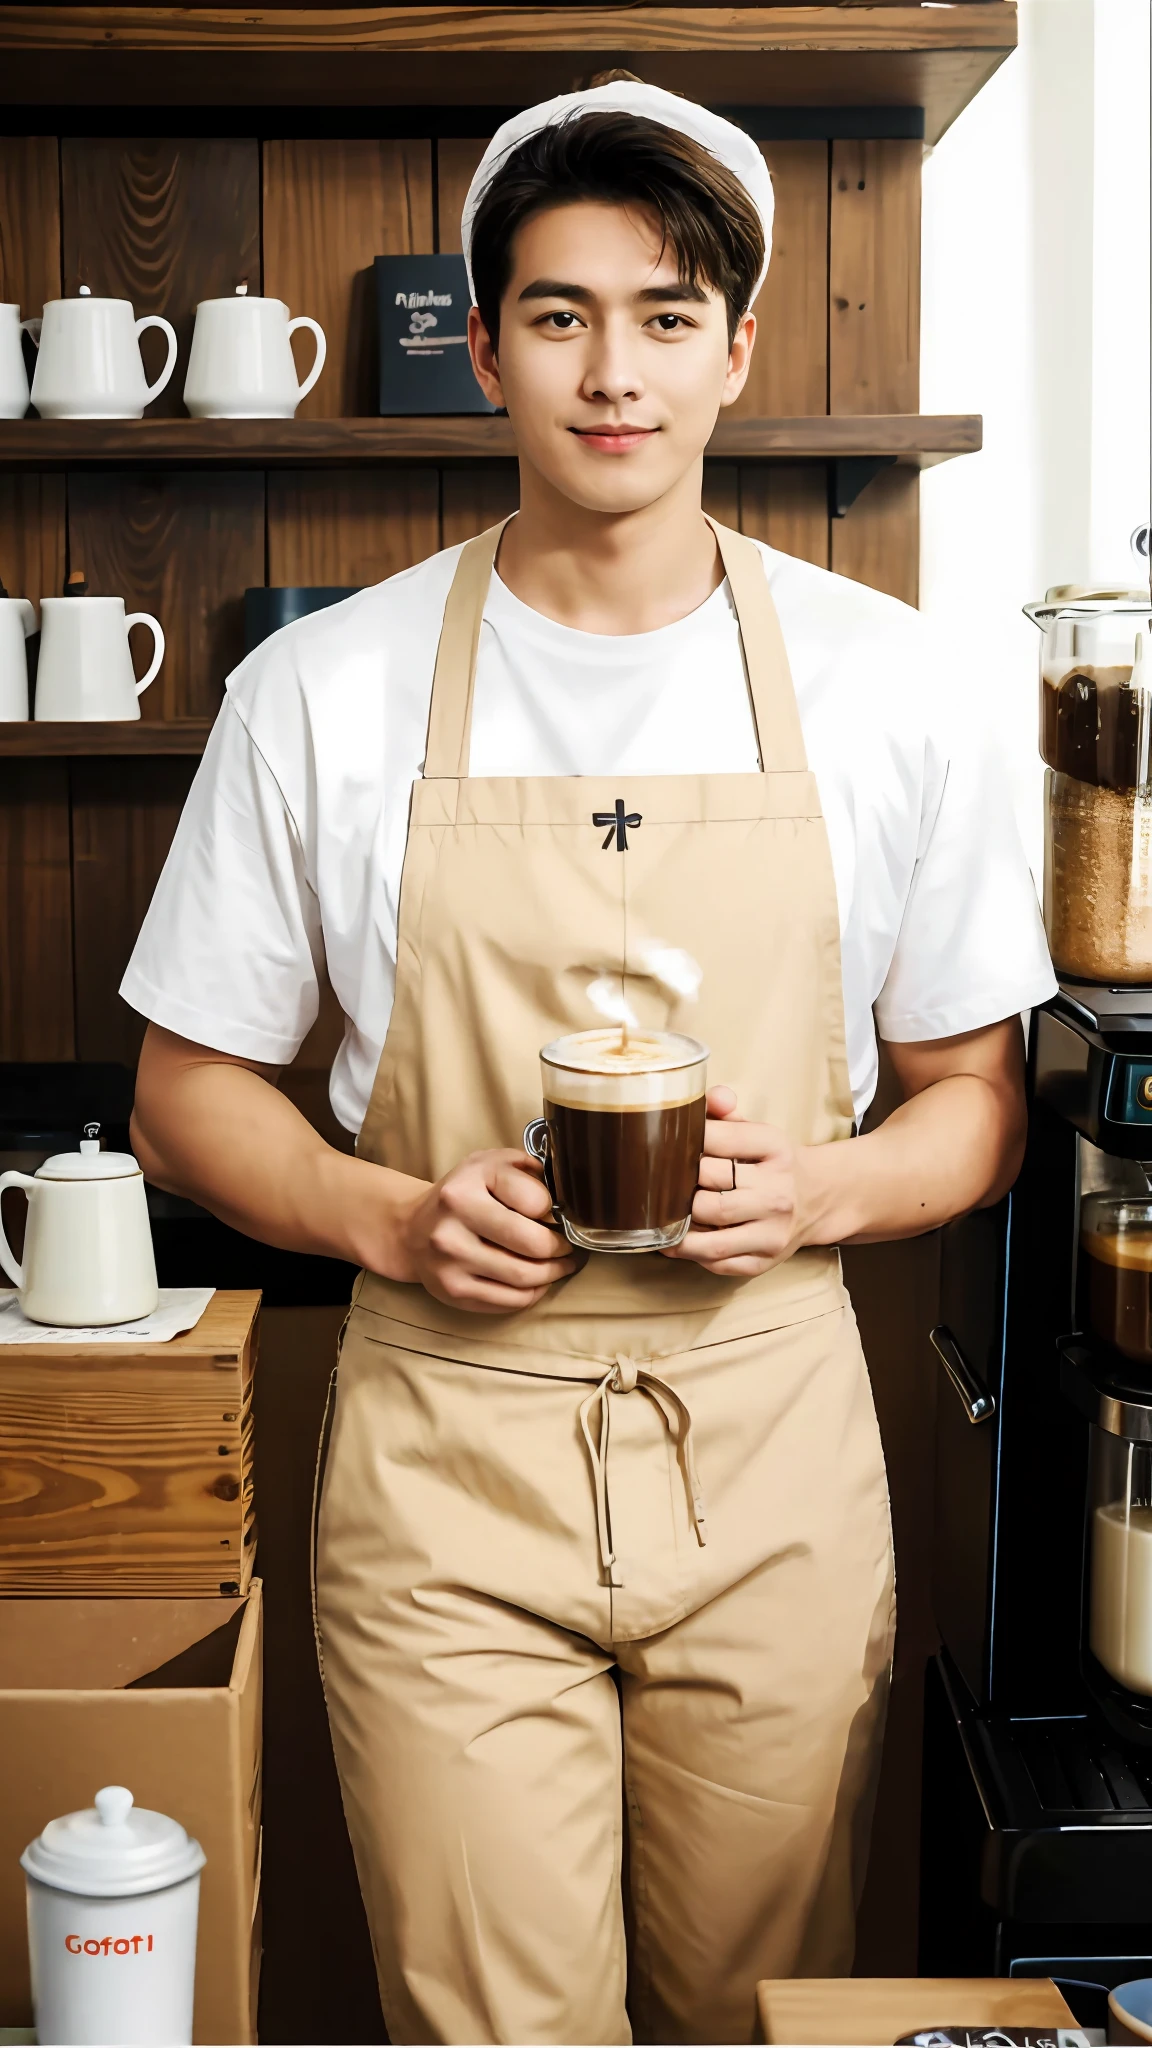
[
  {"x": 88, "y": 1257},
  {"x": 113, "y": 1898}
]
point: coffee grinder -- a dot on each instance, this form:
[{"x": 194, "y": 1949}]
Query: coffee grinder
[{"x": 1037, "y": 1810}]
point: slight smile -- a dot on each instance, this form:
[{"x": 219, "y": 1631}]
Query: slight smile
[{"x": 614, "y": 440}]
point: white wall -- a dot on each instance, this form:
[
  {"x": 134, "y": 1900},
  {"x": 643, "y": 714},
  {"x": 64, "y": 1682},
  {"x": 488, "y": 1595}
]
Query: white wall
[{"x": 1035, "y": 314}]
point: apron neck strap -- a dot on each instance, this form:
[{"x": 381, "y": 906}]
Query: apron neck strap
[
  {"x": 779, "y": 737},
  {"x": 450, "y": 714}
]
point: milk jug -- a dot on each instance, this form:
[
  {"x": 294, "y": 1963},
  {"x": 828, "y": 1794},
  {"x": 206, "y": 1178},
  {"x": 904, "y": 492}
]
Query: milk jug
[{"x": 113, "y": 1896}]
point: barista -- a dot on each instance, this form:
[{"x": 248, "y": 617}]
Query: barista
[{"x": 604, "y": 1578}]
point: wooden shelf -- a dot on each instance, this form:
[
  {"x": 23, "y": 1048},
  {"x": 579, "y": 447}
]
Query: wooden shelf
[
  {"x": 910, "y": 438},
  {"x": 62, "y": 741},
  {"x": 936, "y": 58}
]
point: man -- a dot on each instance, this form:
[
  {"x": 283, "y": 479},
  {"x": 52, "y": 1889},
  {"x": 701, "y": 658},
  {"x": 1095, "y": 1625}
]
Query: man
[{"x": 604, "y": 1581}]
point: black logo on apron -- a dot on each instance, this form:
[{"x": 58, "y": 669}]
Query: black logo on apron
[{"x": 619, "y": 823}]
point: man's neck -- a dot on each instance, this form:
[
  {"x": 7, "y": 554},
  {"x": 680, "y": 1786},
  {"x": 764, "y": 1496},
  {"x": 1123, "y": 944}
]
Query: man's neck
[{"x": 610, "y": 573}]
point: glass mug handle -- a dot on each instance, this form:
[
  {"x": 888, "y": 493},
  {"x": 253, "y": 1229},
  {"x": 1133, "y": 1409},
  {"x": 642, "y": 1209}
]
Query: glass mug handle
[{"x": 536, "y": 1144}]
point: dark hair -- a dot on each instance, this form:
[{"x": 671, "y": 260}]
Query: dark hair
[{"x": 702, "y": 208}]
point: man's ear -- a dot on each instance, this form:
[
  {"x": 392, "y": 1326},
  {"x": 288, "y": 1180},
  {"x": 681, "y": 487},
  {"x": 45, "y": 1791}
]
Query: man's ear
[
  {"x": 739, "y": 359},
  {"x": 483, "y": 356}
]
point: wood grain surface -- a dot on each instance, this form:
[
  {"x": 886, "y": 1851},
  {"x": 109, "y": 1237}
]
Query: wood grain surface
[
  {"x": 29, "y": 220},
  {"x": 122, "y": 825},
  {"x": 36, "y": 1019},
  {"x": 473, "y": 499},
  {"x": 163, "y": 223},
  {"x": 130, "y": 1472},
  {"x": 877, "y": 2009},
  {"x": 65, "y": 740},
  {"x": 456, "y": 162},
  {"x": 787, "y": 506},
  {"x": 185, "y": 547},
  {"x": 789, "y": 370},
  {"x": 342, "y": 527},
  {"x": 330, "y": 208},
  {"x": 721, "y": 494},
  {"x": 874, "y": 278},
  {"x": 514, "y": 56},
  {"x": 33, "y": 543},
  {"x": 878, "y": 540},
  {"x": 46, "y": 444}
]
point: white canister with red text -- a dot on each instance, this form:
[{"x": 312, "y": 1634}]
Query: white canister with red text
[{"x": 113, "y": 1898}]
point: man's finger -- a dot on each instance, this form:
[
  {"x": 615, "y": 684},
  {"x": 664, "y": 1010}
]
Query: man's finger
[
  {"x": 747, "y": 1240},
  {"x": 520, "y": 1189},
  {"x": 736, "y": 1140},
  {"x": 735, "y": 1206}
]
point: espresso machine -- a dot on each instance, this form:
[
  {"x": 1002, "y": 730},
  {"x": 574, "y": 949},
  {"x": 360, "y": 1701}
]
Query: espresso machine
[{"x": 1037, "y": 1792}]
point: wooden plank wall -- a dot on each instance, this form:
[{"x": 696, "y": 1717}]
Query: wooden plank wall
[{"x": 166, "y": 222}]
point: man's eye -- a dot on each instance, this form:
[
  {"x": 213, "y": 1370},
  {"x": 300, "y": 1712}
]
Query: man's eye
[
  {"x": 562, "y": 320},
  {"x": 668, "y": 322}
]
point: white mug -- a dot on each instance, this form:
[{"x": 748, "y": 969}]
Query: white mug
[
  {"x": 85, "y": 668},
  {"x": 17, "y": 623},
  {"x": 89, "y": 365},
  {"x": 13, "y": 375},
  {"x": 240, "y": 366}
]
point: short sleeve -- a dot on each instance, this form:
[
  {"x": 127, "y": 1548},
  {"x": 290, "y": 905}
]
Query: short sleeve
[
  {"x": 228, "y": 953},
  {"x": 971, "y": 947}
]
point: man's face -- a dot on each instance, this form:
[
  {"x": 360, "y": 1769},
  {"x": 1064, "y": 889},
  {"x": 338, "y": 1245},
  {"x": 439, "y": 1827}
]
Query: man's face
[{"x": 612, "y": 371}]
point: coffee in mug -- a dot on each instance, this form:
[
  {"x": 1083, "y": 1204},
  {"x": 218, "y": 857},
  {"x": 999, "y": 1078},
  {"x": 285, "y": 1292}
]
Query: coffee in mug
[{"x": 621, "y": 1135}]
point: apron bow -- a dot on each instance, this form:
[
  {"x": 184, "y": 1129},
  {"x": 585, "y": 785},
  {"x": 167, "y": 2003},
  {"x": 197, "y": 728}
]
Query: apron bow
[{"x": 623, "y": 1378}]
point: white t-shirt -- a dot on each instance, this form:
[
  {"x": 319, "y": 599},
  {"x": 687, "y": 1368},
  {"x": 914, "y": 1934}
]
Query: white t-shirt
[{"x": 289, "y": 851}]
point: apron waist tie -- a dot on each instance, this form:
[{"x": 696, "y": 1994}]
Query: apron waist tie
[{"x": 622, "y": 1378}]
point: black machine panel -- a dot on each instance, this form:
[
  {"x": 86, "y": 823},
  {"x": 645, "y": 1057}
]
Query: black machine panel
[{"x": 1037, "y": 1847}]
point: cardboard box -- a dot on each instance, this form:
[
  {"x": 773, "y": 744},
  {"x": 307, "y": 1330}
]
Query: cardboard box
[
  {"x": 126, "y": 1468},
  {"x": 422, "y": 304},
  {"x": 163, "y": 1696}
]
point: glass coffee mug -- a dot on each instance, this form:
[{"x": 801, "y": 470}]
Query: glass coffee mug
[{"x": 621, "y": 1135}]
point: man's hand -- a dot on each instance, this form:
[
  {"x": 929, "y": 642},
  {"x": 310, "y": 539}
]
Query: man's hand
[
  {"x": 482, "y": 1238},
  {"x": 748, "y": 1210},
  {"x": 954, "y": 1144},
  {"x": 215, "y": 1127}
]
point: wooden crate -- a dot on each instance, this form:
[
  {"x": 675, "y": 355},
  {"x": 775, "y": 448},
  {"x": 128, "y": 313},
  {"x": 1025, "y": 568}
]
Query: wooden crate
[{"x": 128, "y": 1469}]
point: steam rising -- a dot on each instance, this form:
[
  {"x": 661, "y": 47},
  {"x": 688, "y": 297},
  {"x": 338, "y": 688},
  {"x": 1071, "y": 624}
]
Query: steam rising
[{"x": 669, "y": 965}]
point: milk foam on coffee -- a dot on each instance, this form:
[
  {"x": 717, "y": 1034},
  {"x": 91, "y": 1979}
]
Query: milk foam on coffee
[{"x": 606, "y": 1069}]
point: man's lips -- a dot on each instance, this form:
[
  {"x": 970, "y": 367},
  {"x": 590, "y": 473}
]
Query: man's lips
[{"x": 614, "y": 440}]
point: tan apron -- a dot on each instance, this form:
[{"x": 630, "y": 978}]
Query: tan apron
[{"x": 604, "y": 1589}]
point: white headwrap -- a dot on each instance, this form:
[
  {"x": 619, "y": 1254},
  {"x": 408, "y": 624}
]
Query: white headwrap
[{"x": 735, "y": 150}]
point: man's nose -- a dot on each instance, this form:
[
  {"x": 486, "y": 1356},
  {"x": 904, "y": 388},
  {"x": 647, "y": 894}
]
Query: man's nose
[{"x": 613, "y": 370}]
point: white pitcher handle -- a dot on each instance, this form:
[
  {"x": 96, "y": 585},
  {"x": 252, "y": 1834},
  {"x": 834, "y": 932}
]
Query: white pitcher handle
[
  {"x": 315, "y": 328},
  {"x": 33, "y": 327},
  {"x": 146, "y": 619},
  {"x": 7, "y": 1257},
  {"x": 166, "y": 327}
]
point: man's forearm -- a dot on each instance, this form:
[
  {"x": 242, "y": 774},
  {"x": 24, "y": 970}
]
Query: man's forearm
[
  {"x": 226, "y": 1137},
  {"x": 955, "y": 1147}
]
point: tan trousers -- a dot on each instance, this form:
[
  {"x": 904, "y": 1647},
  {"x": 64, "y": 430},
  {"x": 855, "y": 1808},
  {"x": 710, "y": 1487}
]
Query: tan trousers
[{"x": 530, "y": 1756}]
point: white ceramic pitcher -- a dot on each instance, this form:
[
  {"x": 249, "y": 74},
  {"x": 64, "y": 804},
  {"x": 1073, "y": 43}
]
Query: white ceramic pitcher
[
  {"x": 17, "y": 624},
  {"x": 240, "y": 366},
  {"x": 88, "y": 1258},
  {"x": 13, "y": 375},
  {"x": 85, "y": 669},
  {"x": 89, "y": 365},
  {"x": 113, "y": 1902}
]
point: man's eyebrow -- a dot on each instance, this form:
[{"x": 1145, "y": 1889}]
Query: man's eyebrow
[
  {"x": 652, "y": 295},
  {"x": 662, "y": 294},
  {"x": 555, "y": 288}
]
